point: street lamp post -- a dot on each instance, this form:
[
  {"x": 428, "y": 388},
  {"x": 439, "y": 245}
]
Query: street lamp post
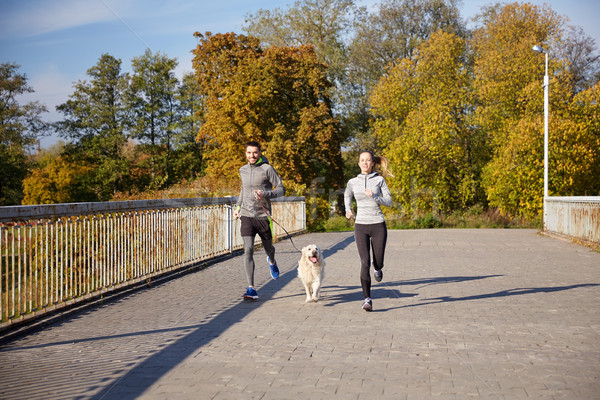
[{"x": 538, "y": 49}]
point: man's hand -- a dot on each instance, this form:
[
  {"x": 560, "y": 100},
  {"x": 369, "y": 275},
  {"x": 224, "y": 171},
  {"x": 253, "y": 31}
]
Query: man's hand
[{"x": 259, "y": 194}]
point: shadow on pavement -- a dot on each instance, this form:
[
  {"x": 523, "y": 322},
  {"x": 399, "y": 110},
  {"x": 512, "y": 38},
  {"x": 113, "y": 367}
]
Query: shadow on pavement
[
  {"x": 336, "y": 294},
  {"x": 505, "y": 293},
  {"x": 333, "y": 295},
  {"x": 139, "y": 378}
]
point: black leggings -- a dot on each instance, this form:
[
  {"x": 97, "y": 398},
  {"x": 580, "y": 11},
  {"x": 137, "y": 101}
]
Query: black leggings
[{"x": 369, "y": 236}]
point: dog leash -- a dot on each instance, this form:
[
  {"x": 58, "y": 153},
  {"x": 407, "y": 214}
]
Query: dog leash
[{"x": 273, "y": 219}]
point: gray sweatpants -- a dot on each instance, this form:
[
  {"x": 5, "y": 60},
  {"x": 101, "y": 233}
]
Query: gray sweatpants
[{"x": 249, "y": 255}]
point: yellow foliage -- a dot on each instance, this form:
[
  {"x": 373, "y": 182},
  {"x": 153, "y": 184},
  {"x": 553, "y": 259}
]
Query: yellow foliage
[
  {"x": 278, "y": 97},
  {"x": 421, "y": 124},
  {"x": 57, "y": 182},
  {"x": 508, "y": 84}
]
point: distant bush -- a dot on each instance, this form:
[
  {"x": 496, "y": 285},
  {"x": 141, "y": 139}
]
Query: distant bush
[{"x": 474, "y": 217}]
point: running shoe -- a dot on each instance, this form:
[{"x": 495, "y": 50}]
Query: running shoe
[
  {"x": 274, "y": 269},
  {"x": 251, "y": 294},
  {"x": 378, "y": 274},
  {"x": 368, "y": 304}
]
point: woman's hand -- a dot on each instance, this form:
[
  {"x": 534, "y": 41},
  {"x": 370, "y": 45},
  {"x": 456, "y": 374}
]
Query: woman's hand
[
  {"x": 349, "y": 214},
  {"x": 369, "y": 192}
]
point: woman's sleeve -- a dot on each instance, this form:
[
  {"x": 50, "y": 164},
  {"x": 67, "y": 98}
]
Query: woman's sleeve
[
  {"x": 348, "y": 197},
  {"x": 386, "y": 197}
]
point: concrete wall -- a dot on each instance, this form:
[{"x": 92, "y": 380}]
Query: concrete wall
[{"x": 575, "y": 217}]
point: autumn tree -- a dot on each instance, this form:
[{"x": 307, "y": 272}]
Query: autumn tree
[
  {"x": 325, "y": 24},
  {"x": 421, "y": 108},
  {"x": 390, "y": 33},
  {"x": 20, "y": 125},
  {"x": 276, "y": 96},
  {"x": 395, "y": 30},
  {"x": 508, "y": 77},
  {"x": 328, "y": 25},
  {"x": 95, "y": 123},
  {"x": 575, "y": 162},
  {"x": 59, "y": 180}
]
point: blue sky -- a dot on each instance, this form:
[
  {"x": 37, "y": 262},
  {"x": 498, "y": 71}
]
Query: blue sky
[{"x": 56, "y": 41}]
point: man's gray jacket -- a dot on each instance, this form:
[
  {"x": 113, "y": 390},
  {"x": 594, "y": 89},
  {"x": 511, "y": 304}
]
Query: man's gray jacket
[{"x": 258, "y": 176}]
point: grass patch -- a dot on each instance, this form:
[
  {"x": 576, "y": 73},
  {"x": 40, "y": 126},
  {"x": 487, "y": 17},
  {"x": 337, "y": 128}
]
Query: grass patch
[{"x": 476, "y": 217}]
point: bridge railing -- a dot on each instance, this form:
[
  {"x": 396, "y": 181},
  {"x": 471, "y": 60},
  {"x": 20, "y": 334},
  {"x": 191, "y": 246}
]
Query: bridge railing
[
  {"x": 56, "y": 255},
  {"x": 576, "y": 217}
]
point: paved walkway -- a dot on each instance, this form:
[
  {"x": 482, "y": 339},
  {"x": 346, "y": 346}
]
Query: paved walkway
[{"x": 460, "y": 314}]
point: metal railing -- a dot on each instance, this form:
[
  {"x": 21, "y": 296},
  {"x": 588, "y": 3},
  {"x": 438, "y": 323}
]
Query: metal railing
[
  {"x": 576, "y": 217},
  {"x": 55, "y": 255}
]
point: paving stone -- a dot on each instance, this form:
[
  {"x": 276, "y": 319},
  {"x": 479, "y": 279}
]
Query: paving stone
[{"x": 460, "y": 314}]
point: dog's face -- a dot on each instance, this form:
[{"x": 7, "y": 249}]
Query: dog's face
[{"x": 312, "y": 253}]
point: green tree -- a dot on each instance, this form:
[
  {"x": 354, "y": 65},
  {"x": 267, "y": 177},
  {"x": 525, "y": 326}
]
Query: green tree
[
  {"x": 187, "y": 159},
  {"x": 421, "y": 110},
  {"x": 95, "y": 122},
  {"x": 151, "y": 100},
  {"x": 20, "y": 125},
  {"x": 277, "y": 96}
]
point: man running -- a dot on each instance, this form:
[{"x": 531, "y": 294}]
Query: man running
[{"x": 260, "y": 183}]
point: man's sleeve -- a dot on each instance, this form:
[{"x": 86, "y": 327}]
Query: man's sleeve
[
  {"x": 276, "y": 183},
  {"x": 239, "y": 199}
]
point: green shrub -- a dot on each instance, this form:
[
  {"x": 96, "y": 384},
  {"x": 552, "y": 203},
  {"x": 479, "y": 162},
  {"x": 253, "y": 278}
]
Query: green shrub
[{"x": 338, "y": 224}]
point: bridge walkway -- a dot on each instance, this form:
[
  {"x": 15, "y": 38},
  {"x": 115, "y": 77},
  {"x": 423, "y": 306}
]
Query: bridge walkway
[{"x": 492, "y": 314}]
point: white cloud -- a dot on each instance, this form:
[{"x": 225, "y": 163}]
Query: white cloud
[
  {"x": 38, "y": 17},
  {"x": 51, "y": 88}
]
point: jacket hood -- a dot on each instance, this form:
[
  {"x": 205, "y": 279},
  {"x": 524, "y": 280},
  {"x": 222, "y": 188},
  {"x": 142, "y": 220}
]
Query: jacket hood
[
  {"x": 370, "y": 175},
  {"x": 262, "y": 160}
]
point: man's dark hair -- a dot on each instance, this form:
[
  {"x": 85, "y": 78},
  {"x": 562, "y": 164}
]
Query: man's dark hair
[{"x": 253, "y": 143}]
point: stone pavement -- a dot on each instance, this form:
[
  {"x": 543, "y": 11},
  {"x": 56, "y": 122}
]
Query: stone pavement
[{"x": 460, "y": 314}]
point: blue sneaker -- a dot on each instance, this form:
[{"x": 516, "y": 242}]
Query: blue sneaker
[
  {"x": 274, "y": 269},
  {"x": 251, "y": 294}
]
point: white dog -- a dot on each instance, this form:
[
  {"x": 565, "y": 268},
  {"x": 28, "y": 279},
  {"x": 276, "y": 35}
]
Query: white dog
[{"x": 311, "y": 271}]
